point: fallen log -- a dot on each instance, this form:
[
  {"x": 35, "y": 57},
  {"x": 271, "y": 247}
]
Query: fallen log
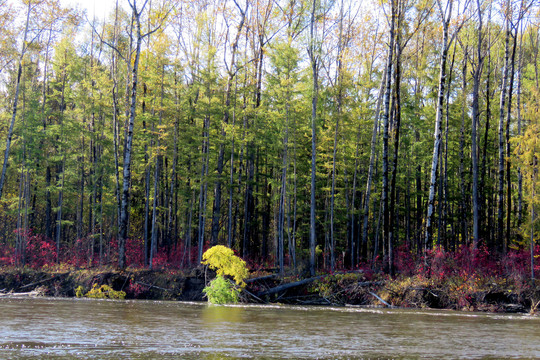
[
  {"x": 381, "y": 300},
  {"x": 266, "y": 277},
  {"x": 283, "y": 287},
  {"x": 22, "y": 294},
  {"x": 42, "y": 281}
]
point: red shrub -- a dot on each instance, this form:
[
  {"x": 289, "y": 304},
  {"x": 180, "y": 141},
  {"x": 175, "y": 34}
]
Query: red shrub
[
  {"x": 404, "y": 262},
  {"x": 39, "y": 250}
]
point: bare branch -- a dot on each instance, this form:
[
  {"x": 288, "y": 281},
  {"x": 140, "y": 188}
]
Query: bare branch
[
  {"x": 161, "y": 22},
  {"x": 103, "y": 41}
]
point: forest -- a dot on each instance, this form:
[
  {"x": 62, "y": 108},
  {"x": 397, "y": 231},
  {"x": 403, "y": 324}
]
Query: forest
[{"x": 317, "y": 135}]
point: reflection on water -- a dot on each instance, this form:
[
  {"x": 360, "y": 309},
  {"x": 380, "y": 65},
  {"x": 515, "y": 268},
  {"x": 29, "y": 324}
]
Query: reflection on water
[
  {"x": 214, "y": 314},
  {"x": 104, "y": 329}
]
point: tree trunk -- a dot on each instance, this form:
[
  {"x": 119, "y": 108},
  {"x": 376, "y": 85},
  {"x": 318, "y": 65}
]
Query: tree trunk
[
  {"x": 217, "y": 187},
  {"x": 475, "y": 117},
  {"x": 518, "y": 108},
  {"x": 396, "y": 104},
  {"x": 508, "y": 153},
  {"x": 203, "y": 187},
  {"x": 128, "y": 144},
  {"x": 154, "y": 240},
  {"x": 444, "y": 174},
  {"x": 500, "y": 203},
  {"x": 386, "y": 124},
  {"x": 438, "y": 125},
  {"x": 533, "y": 215},
  {"x": 314, "y": 59},
  {"x": 15, "y": 101},
  {"x": 484, "y": 199},
  {"x": 462, "y": 204},
  {"x": 372, "y": 157}
]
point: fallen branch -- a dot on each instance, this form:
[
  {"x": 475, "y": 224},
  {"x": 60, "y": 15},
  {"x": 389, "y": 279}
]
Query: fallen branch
[
  {"x": 266, "y": 277},
  {"x": 381, "y": 300},
  {"x": 152, "y": 286},
  {"x": 369, "y": 283},
  {"x": 283, "y": 287},
  {"x": 42, "y": 281},
  {"x": 22, "y": 294},
  {"x": 247, "y": 292},
  {"x": 253, "y": 295}
]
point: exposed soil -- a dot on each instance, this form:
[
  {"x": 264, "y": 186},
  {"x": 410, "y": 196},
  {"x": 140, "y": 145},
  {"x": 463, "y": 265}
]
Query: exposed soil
[
  {"x": 138, "y": 284},
  {"x": 337, "y": 289}
]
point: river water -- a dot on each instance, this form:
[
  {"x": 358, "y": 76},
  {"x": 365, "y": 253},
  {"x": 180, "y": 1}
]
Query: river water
[{"x": 106, "y": 329}]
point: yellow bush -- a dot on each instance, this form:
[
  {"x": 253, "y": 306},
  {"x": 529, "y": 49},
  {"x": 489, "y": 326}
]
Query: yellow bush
[
  {"x": 223, "y": 260},
  {"x": 105, "y": 292}
]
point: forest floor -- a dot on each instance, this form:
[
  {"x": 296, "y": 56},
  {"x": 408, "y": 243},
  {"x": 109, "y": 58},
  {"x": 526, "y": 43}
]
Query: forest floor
[{"x": 491, "y": 294}]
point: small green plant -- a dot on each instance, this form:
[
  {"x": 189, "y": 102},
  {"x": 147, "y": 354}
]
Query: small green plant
[
  {"x": 79, "y": 291},
  {"x": 105, "y": 292},
  {"x": 222, "y": 259},
  {"x": 221, "y": 291}
]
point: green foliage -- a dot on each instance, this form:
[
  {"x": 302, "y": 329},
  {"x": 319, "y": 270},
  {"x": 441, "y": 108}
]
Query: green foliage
[
  {"x": 223, "y": 260},
  {"x": 79, "y": 291},
  {"x": 103, "y": 292},
  {"x": 221, "y": 291},
  {"x": 526, "y": 158}
]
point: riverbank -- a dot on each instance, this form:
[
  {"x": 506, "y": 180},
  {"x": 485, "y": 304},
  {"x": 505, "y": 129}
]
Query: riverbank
[
  {"x": 352, "y": 288},
  {"x": 136, "y": 283}
]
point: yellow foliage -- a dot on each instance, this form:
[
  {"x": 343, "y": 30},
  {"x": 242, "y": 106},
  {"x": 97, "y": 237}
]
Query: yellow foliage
[
  {"x": 223, "y": 260},
  {"x": 104, "y": 292}
]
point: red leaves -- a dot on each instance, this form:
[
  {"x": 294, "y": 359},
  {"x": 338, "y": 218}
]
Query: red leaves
[
  {"x": 465, "y": 262},
  {"x": 38, "y": 251}
]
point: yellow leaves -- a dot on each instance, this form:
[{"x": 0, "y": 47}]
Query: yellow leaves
[
  {"x": 223, "y": 260},
  {"x": 102, "y": 292}
]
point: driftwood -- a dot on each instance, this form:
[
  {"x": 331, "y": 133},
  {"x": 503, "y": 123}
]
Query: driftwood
[
  {"x": 283, "y": 287},
  {"x": 381, "y": 300},
  {"x": 33, "y": 293},
  {"x": 253, "y": 295},
  {"x": 42, "y": 281}
]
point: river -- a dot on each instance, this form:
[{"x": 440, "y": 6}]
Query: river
[{"x": 105, "y": 329}]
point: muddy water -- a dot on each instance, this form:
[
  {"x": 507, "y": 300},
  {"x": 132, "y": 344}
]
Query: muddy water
[{"x": 100, "y": 329}]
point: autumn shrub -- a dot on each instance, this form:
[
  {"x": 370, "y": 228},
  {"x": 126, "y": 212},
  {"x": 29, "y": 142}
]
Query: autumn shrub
[
  {"x": 102, "y": 292},
  {"x": 79, "y": 254},
  {"x": 465, "y": 261},
  {"x": 40, "y": 251},
  {"x": 404, "y": 261},
  {"x": 223, "y": 260},
  {"x": 517, "y": 263},
  {"x": 134, "y": 252},
  {"x": 169, "y": 257},
  {"x": 135, "y": 289},
  {"x": 7, "y": 257}
]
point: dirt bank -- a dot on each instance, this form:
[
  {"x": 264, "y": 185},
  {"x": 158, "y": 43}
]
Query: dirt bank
[
  {"x": 469, "y": 294},
  {"x": 138, "y": 284}
]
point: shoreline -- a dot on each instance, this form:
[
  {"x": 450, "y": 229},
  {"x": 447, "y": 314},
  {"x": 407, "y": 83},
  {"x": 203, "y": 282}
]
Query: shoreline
[{"x": 350, "y": 290}]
